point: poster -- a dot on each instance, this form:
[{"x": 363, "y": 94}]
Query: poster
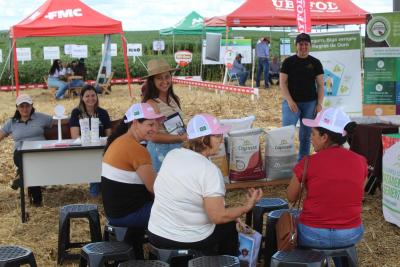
[
  {"x": 382, "y": 65},
  {"x": 114, "y": 49},
  {"x": 24, "y": 54},
  {"x": 134, "y": 50},
  {"x": 242, "y": 46},
  {"x": 1, "y": 56},
  {"x": 68, "y": 49},
  {"x": 79, "y": 51},
  {"x": 340, "y": 55},
  {"x": 51, "y": 52},
  {"x": 158, "y": 45}
]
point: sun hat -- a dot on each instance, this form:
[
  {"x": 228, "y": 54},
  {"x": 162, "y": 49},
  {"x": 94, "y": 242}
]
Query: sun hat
[
  {"x": 24, "y": 98},
  {"x": 141, "y": 111},
  {"x": 332, "y": 119},
  {"x": 303, "y": 37},
  {"x": 157, "y": 66},
  {"x": 205, "y": 124}
]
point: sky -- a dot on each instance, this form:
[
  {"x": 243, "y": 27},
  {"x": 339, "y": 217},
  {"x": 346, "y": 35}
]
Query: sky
[{"x": 139, "y": 15}]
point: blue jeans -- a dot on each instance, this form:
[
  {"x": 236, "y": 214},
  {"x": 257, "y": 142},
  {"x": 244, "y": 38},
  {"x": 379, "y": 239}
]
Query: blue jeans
[
  {"x": 242, "y": 75},
  {"x": 158, "y": 152},
  {"x": 76, "y": 83},
  {"x": 329, "y": 238},
  {"x": 60, "y": 85},
  {"x": 305, "y": 110},
  {"x": 139, "y": 218},
  {"x": 263, "y": 65}
]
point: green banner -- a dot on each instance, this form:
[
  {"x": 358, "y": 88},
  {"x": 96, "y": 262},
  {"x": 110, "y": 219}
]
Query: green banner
[{"x": 379, "y": 93}]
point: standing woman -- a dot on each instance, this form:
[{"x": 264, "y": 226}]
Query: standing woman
[
  {"x": 55, "y": 73},
  {"x": 160, "y": 95},
  {"x": 89, "y": 108},
  {"x": 26, "y": 125},
  {"x": 335, "y": 177}
]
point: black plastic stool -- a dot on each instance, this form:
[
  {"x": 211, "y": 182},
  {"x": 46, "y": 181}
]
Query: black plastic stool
[
  {"x": 270, "y": 238},
  {"x": 130, "y": 235},
  {"x": 215, "y": 261},
  {"x": 298, "y": 257},
  {"x": 143, "y": 263},
  {"x": 97, "y": 254},
  {"x": 349, "y": 252},
  {"x": 88, "y": 211},
  {"x": 12, "y": 256},
  {"x": 169, "y": 255}
]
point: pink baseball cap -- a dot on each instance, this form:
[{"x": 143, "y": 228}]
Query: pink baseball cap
[
  {"x": 205, "y": 124},
  {"x": 141, "y": 111},
  {"x": 332, "y": 119}
]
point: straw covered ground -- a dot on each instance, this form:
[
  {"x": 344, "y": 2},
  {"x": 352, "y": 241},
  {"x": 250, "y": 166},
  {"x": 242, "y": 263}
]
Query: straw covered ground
[{"x": 379, "y": 246}]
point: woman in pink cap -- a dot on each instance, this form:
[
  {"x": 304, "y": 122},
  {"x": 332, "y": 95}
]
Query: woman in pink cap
[
  {"x": 127, "y": 175},
  {"x": 189, "y": 207},
  {"x": 334, "y": 181}
]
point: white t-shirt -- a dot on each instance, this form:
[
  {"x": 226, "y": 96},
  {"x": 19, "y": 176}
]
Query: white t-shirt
[{"x": 178, "y": 213}]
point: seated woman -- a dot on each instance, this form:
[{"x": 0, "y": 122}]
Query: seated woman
[
  {"x": 189, "y": 206},
  {"x": 331, "y": 215},
  {"x": 56, "y": 72},
  {"x": 89, "y": 108},
  {"x": 127, "y": 175},
  {"x": 26, "y": 125},
  {"x": 78, "y": 72}
]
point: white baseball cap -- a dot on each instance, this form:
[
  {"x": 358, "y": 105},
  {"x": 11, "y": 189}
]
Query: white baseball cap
[
  {"x": 332, "y": 119},
  {"x": 205, "y": 124},
  {"x": 141, "y": 111},
  {"x": 24, "y": 98}
]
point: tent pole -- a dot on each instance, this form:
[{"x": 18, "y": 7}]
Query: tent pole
[{"x": 128, "y": 75}]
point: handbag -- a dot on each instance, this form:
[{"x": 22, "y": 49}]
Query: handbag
[
  {"x": 286, "y": 226},
  {"x": 249, "y": 245}
]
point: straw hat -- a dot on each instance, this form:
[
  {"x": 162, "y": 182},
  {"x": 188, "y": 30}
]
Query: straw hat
[{"x": 157, "y": 66}]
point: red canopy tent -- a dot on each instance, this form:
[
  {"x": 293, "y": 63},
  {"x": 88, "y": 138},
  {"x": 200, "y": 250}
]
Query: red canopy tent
[
  {"x": 282, "y": 13},
  {"x": 66, "y": 18}
]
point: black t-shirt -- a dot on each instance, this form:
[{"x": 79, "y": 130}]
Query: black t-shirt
[
  {"x": 302, "y": 73},
  {"x": 102, "y": 114}
]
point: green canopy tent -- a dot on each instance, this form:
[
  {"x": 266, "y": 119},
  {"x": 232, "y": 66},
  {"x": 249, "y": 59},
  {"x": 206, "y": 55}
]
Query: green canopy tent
[{"x": 192, "y": 24}]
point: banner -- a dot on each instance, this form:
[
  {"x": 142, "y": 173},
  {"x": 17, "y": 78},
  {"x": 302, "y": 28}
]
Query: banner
[
  {"x": 51, "y": 52},
  {"x": 24, "y": 54},
  {"x": 302, "y": 10},
  {"x": 242, "y": 46},
  {"x": 340, "y": 55},
  {"x": 382, "y": 65},
  {"x": 114, "y": 49}
]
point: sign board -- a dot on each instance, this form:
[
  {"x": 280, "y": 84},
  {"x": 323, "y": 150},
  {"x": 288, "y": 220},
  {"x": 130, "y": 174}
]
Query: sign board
[
  {"x": 51, "y": 52},
  {"x": 68, "y": 49},
  {"x": 158, "y": 45},
  {"x": 24, "y": 54},
  {"x": 238, "y": 46},
  {"x": 134, "y": 50},
  {"x": 284, "y": 46},
  {"x": 1, "y": 56},
  {"x": 229, "y": 58},
  {"x": 114, "y": 49},
  {"x": 79, "y": 51},
  {"x": 183, "y": 57}
]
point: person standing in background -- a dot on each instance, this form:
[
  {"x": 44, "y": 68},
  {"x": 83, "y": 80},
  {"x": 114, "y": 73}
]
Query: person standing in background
[
  {"x": 301, "y": 82},
  {"x": 262, "y": 53}
]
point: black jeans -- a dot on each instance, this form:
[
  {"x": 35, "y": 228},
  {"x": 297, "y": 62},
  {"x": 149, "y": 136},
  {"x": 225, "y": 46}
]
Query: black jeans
[
  {"x": 34, "y": 192},
  {"x": 223, "y": 241}
]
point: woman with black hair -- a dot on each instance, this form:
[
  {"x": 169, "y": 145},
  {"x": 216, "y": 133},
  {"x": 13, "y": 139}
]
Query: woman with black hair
[
  {"x": 160, "y": 95},
  {"x": 26, "y": 125},
  {"x": 334, "y": 181},
  {"x": 89, "y": 108},
  {"x": 56, "y": 72}
]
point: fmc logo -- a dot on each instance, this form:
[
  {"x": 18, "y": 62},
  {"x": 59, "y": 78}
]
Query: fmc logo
[{"x": 66, "y": 13}]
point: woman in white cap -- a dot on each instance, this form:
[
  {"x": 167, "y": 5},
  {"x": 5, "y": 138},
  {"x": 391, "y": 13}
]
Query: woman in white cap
[
  {"x": 127, "y": 175},
  {"x": 160, "y": 95},
  {"x": 189, "y": 207},
  {"x": 26, "y": 125},
  {"x": 334, "y": 181}
]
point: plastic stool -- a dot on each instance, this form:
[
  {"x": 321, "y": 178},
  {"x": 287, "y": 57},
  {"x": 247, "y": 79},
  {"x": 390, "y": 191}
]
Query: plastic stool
[
  {"x": 97, "y": 254},
  {"x": 130, "y": 235},
  {"x": 143, "y": 263},
  {"x": 13, "y": 256},
  {"x": 169, "y": 255},
  {"x": 215, "y": 261},
  {"x": 298, "y": 257},
  {"x": 270, "y": 238},
  {"x": 349, "y": 252},
  {"x": 88, "y": 211}
]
